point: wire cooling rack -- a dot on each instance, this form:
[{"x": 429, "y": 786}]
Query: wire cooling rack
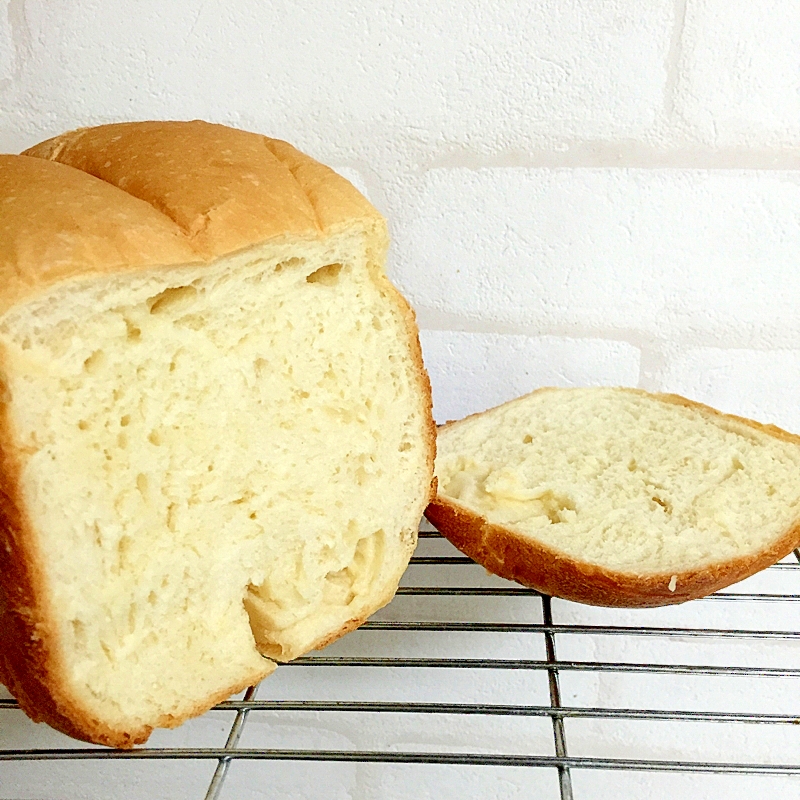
[{"x": 467, "y": 685}]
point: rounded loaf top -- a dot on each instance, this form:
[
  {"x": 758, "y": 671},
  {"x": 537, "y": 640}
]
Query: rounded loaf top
[{"x": 134, "y": 195}]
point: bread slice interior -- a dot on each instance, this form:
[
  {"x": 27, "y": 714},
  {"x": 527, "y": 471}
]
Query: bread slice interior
[
  {"x": 617, "y": 496},
  {"x": 220, "y": 462}
]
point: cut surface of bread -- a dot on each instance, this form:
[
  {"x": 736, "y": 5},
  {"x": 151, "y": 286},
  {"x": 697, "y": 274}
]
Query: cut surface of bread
[
  {"x": 617, "y": 497},
  {"x": 216, "y": 430}
]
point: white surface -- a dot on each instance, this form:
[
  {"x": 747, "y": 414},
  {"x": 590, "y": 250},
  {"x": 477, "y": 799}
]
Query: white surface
[
  {"x": 581, "y": 69},
  {"x": 739, "y": 78},
  {"x": 760, "y": 384},
  {"x": 474, "y": 371},
  {"x": 6, "y": 47},
  {"x": 579, "y": 192},
  {"x": 396, "y": 732},
  {"x": 666, "y": 253}
]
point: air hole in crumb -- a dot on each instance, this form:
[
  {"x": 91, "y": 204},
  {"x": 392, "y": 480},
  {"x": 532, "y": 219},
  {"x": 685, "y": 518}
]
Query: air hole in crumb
[
  {"x": 124, "y": 546},
  {"x": 141, "y": 483},
  {"x": 405, "y": 446},
  {"x": 289, "y": 264},
  {"x": 125, "y": 421},
  {"x": 632, "y": 465},
  {"x": 122, "y": 441},
  {"x": 133, "y": 332},
  {"x": 556, "y": 506},
  {"x": 94, "y": 362},
  {"x": 177, "y": 297},
  {"x": 83, "y": 425},
  {"x": 377, "y": 324},
  {"x": 154, "y": 438},
  {"x": 527, "y": 439},
  {"x": 254, "y": 515},
  {"x": 327, "y": 275},
  {"x": 194, "y": 322},
  {"x": 78, "y": 631},
  {"x": 665, "y": 504}
]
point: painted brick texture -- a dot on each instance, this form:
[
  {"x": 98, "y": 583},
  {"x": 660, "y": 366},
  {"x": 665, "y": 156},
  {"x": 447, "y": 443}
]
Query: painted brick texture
[
  {"x": 580, "y": 192},
  {"x": 673, "y": 254}
]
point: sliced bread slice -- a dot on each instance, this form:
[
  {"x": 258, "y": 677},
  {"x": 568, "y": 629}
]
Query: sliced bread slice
[
  {"x": 617, "y": 497},
  {"x": 215, "y": 432}
]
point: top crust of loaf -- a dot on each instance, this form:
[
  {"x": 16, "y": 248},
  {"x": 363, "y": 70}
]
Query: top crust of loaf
[
  {"x": 198, "y": 191},
  {"x": 510, "y": 554}
]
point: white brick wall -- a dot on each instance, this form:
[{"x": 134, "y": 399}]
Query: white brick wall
[
  {"x": 760, "y": 384},
  {"x": 666, "y": 253},
  {"x": 580, "y": 192},
  {"x": 497, "y": 75},
  {"x": 474, "y": 371},
  {"x": 739, "y": 78},
  {"x": 7, "y": 54}
]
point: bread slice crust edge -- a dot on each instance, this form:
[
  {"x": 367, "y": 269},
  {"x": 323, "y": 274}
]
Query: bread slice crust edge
[{"x": 514, "y": 556}]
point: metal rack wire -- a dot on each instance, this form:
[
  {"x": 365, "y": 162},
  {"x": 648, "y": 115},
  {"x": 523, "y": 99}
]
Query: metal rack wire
[{"x": 389, "y": 644}]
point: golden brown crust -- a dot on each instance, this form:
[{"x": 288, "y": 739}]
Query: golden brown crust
[
  {"x": 348, "y": 627},
  {"x": 517, "y": 557},
  {"x": 224, "y": 188},
  {"x": 59, "y": 224}
]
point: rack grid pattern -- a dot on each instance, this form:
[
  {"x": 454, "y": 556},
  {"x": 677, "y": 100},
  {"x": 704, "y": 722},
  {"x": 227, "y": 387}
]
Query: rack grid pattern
[{"x": 438, "y": 575}]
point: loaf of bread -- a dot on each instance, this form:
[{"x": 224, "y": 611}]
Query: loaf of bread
[
  {"x": 617, "y": 497},
  {"x": 216, "y": 440}
]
